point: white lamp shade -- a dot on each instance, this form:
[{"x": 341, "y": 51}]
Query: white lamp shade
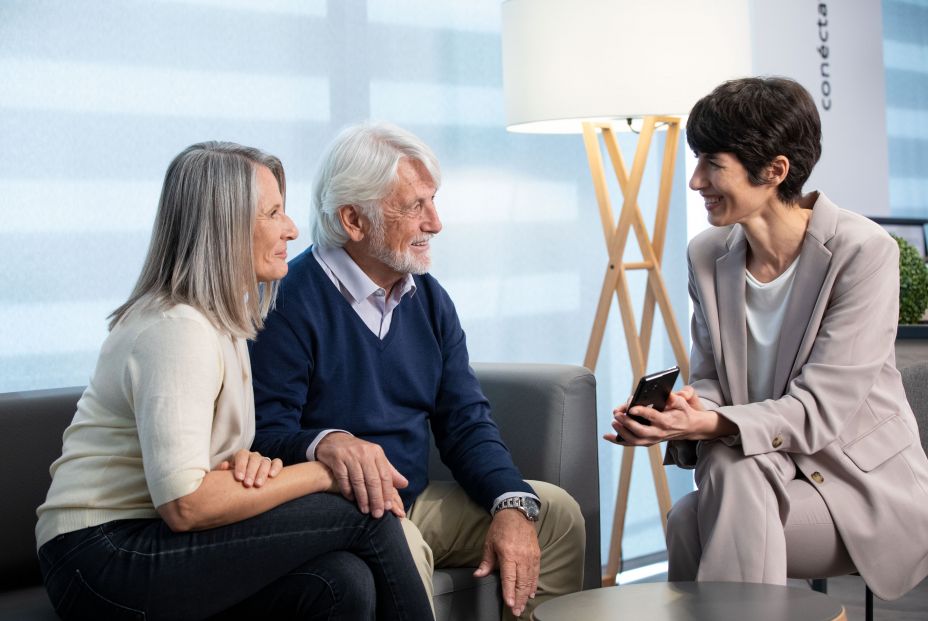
[{"x": 566, "y": 61}]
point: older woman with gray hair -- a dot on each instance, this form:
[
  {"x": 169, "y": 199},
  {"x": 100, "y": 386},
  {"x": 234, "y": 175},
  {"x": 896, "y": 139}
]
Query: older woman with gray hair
[{"x": 157, "y": 508}]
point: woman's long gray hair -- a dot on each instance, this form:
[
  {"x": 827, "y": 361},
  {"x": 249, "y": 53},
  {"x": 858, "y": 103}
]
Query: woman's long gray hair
[{"x": 201, "y": 245}]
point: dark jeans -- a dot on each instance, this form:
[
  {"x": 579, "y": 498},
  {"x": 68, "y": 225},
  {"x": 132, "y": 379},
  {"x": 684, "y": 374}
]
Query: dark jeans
[{"x": 316, "y": 557}]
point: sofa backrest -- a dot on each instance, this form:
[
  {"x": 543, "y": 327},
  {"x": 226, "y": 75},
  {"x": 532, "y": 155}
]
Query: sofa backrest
[
  {"x": 31, "y": 424},
  {"x": 546, "y": 415},
  {"x": 915, "y": 381}
]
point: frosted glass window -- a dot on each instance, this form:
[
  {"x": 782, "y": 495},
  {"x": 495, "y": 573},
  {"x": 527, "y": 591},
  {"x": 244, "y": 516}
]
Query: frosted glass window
[
  {"x": 98, "y": 96},
  {"x": 905, "y": 53}
]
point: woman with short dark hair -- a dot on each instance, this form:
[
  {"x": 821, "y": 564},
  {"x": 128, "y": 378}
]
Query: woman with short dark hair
[
  {"x": 807, "y": 457},
  {"x": 157, "y": 508}
]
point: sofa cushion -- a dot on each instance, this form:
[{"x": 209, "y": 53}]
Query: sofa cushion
[
  {"x": 458, "y": 596},
  {"x": 29, "y": 604}
]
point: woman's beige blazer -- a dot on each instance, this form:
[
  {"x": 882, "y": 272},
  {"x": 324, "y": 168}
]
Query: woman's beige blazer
[{"x": 840, "y": 411}]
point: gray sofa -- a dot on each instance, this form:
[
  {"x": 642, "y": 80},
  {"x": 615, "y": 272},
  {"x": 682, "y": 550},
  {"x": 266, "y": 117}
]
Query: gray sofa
[{"x": 546, "y": 414}]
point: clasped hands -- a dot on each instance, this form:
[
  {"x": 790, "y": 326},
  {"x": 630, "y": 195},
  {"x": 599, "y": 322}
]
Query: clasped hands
[
  {"x": 684, "y": 418},
  {"x": 250, "y": 468},
  {"x": 358, "y": 469}
]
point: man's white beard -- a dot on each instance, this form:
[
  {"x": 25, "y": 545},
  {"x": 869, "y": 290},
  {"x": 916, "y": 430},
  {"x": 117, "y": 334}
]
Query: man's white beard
[{"x": 401, "y": 262}]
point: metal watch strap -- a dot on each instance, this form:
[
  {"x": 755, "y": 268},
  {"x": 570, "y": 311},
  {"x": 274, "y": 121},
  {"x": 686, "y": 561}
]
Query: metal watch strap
[{"x": 526, "y": 504}]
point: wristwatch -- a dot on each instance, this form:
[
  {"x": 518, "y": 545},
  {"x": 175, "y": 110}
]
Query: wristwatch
[{"x": 526, "y": 504}]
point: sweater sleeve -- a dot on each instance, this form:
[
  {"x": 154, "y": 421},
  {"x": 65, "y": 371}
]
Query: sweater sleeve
[
  {"x": 467, "y": 438},
  {"x": 281, "y": 367},
  {"x": 173, "y": 377}
]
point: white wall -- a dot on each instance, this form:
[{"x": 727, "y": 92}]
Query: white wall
[{"x": 843, "y": 40}]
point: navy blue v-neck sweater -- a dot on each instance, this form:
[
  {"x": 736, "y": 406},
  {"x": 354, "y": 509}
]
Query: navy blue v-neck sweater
[{"x": 317, "y": 366}]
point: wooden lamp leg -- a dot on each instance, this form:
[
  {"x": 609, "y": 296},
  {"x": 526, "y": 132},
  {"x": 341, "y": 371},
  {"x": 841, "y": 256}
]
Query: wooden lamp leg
[{"x": 615, "y": 282}]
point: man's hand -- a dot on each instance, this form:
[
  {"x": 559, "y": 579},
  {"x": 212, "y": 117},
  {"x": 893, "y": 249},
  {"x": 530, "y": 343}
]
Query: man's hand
[
  {"x": 512, "y": 545},
  {"x": 363, "y": 473}
]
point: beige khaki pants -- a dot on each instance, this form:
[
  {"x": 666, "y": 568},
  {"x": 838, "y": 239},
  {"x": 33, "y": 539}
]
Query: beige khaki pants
[
  {"x": 751, "y": 520},
  {"x": 445, "y": 528}
]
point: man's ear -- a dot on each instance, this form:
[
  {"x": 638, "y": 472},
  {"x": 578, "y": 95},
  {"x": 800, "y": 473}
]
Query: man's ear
[
  {"x": 777, "y": 170},
  {"x": 350, "y": 217}
]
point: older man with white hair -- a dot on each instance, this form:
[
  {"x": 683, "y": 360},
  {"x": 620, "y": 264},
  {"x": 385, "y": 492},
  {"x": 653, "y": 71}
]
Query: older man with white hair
[{"x": 365, "y": 351}]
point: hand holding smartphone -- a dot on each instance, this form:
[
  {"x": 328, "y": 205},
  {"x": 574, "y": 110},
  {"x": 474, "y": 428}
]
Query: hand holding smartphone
[{"x": 653, "y": 391}]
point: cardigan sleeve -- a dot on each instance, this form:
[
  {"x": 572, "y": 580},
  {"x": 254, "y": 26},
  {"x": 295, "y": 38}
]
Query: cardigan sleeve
[{"x": 173, "y": 376}]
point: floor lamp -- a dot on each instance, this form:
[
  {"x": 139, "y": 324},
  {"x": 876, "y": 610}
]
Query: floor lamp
[
  {"x": 615, "y": 281},
  {"x": 590, "y": 66}
]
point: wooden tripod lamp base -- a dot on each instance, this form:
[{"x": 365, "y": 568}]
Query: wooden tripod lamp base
[{"x": 615, "y": 281}]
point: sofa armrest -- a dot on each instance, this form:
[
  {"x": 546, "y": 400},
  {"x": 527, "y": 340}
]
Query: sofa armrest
[
  {"x": 915, "y": 383},
  {"x": 31, "y": 424},
  {"x": 547, "y": 417}
]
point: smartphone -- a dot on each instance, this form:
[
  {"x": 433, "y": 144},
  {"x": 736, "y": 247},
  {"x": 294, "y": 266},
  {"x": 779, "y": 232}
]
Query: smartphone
[{"x": 652, "y": 392}]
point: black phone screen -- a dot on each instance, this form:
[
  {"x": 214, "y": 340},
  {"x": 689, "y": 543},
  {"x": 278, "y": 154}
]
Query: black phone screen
[{"x": 653, "y": 390}]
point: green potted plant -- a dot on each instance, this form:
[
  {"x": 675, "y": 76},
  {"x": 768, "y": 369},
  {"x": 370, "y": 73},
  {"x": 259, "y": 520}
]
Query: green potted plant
[{"x": 913, "y": 283}]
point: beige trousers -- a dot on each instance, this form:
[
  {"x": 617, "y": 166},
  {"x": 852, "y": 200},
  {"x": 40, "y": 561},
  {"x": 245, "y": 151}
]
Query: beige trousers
[
  {"x": 445, "y": 528},
  {"x": 751, "y": 520}
]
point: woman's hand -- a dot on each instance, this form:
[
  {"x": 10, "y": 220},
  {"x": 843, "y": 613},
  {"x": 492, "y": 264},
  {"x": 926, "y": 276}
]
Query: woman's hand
[
  {"x": 221, "y": 499},
  {"x": 683, "y": 418},
  {"x": 251, "y": 468}
]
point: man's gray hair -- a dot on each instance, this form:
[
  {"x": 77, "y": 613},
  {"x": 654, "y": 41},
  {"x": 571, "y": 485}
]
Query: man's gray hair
[
  {"x": 359, "y": 168},
  {"x": 201, "y": 244}
]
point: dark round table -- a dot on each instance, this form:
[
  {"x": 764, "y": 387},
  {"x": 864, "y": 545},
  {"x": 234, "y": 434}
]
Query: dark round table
[{"x": 693, "y": 601}]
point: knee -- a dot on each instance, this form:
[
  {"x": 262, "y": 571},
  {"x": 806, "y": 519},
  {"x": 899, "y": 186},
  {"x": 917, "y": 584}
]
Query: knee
[
  {"x": 683, "y": 546},
  {"x": 349, "y": 584},
  {"x": 719, "y": 463},
  {"x": 420, "y": 550},
  {"x": 715, "y": 455},
  {"x": 682, "y": 524},
  {"x": 394, "y": 528},
  {"x": 352, "y": 572},
  {"x": 560, "y": 515},
  {"x": 421, "y": 554}
]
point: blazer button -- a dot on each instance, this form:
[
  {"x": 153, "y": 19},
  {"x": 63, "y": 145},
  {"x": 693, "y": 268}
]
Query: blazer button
[
  {"x": 778, "y": 442},
  {"x": 817, "y": 477}
]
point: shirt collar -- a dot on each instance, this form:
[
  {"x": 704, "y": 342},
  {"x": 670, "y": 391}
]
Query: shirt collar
[{"x": 353, "y": 279}]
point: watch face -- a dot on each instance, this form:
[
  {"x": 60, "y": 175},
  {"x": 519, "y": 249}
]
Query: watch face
[
  {"x": 529, "y": 507},
  {"x": 532, "y": 508}
]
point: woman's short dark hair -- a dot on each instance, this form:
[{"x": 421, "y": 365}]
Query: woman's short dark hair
[{"x": 757, "y": 119}]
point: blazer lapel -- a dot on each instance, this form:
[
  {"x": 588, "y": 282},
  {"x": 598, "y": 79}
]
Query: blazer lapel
[
  {"x": 729, "y": 283},
  {"x": 814, "y": 259}
]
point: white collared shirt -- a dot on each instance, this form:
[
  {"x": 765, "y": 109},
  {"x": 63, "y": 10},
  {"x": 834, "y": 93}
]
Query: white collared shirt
[{"x": 369, "y": 300}]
